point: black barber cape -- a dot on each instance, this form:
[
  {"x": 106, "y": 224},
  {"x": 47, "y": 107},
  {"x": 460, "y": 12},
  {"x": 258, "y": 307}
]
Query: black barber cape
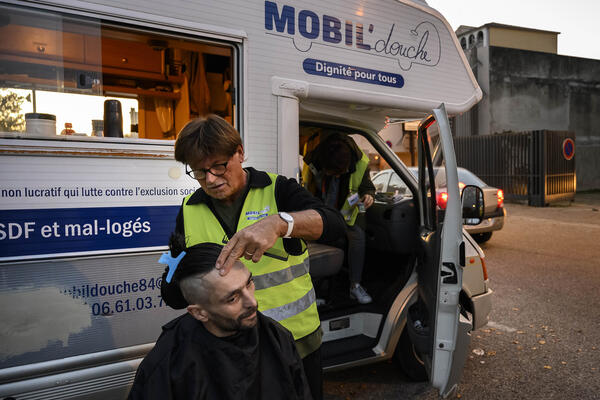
[{"x": 189, "y": 363}]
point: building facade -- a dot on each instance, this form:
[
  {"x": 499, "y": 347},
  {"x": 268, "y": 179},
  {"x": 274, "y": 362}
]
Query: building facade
[{"x": 528, "y": 86}]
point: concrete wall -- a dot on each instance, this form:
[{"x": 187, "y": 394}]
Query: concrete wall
[
  {"x": 523, "y": 39},
  {"x": 533, "y": 90},
  {"x": 477, "y": 120}
]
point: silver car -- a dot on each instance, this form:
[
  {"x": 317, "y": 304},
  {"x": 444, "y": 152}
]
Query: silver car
[{"x": 387, "y": 182}]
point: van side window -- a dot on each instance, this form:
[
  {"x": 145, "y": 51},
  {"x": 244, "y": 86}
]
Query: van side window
[{"x": 63, "y": 77}]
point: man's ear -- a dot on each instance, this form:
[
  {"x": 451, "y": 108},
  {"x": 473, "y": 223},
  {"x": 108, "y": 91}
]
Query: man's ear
[
  {"x": 240, "y": 153},
  {"x": 198, "y": 312}
]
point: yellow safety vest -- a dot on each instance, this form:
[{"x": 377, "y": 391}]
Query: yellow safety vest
[
  {"x": 348, "y": 212},
  {"x": 284, "y": 289},
  {"x": 351, "y": 212}
]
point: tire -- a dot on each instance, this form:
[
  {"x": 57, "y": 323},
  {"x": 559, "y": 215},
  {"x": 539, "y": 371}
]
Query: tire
[
  {"x": 482, "y": 237},
  {"x": 409, "y": 361}
]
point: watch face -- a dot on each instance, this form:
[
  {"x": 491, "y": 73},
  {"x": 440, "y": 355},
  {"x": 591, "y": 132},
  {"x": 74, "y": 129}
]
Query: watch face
[{"x": 286, "y": 217}]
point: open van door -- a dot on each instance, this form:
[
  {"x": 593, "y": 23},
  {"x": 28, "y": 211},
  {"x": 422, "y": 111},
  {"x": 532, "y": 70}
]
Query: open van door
[{"x": 444, "y": 331}]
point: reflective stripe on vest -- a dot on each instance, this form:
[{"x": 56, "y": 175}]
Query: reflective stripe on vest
[
  {"x": 280, "y": 277},
  {"x": 351, "y": 212},
  {"x": 284, "y": 289}
]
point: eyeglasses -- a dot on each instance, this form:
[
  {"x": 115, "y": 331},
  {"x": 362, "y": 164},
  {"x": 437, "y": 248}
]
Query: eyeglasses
[{"x": 215, "y": 170}]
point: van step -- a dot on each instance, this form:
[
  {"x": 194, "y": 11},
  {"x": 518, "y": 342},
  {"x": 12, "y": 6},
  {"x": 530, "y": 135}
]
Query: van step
[{"x": 345, "y": 350}]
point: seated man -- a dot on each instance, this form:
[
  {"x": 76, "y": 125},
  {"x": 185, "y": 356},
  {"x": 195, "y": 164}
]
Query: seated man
[
  {"x": 338, "y": 174},
  {"x": 222, "y": 348}
]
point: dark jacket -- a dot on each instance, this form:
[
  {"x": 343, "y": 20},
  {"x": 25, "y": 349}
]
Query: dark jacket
[{"x": 190, "y": 363}]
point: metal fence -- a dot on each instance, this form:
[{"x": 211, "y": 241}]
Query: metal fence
[{"x": 537, "y": 166}]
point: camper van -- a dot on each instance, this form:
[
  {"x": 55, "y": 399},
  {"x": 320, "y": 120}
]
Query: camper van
[{"x": 93, "y": 95}]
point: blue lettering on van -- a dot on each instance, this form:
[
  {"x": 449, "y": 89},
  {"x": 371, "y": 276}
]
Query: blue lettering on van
[
  {"x": 422, "y": 46},
  {"x": 286, "y": 18},
  {"x": 36, "y": 232},
  {"x": 352, "y": 73},
  {"x": 332, "y": 29},
  {"x": 303, "y": 24}
]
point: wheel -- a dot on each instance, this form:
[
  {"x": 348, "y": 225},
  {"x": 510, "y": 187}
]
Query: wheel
[
  {"x": 409, "y": 360},
  {"x": 482, "y": 237}
]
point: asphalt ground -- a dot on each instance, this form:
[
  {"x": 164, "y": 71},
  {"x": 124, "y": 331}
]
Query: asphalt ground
[{"x": 543, "y": 339}]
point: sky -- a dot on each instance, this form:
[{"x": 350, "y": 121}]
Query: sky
[{"x": 578, "y": 21}]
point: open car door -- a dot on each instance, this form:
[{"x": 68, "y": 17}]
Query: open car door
[{"x": 446, "y": 332}]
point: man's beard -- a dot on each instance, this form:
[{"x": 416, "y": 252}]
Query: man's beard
[{"x": 234, "y": 325}]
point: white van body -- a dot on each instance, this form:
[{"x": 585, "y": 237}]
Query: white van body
[{"x": 83, "y": 220}]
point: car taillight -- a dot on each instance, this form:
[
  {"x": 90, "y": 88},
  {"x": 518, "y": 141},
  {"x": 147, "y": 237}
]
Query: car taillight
[
  {"x": 500, "y": 196},
  {"x": 442, "y": 200}
]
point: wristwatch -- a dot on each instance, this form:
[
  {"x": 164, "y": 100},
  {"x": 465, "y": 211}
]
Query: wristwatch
[{"x": 290, "y": 221}]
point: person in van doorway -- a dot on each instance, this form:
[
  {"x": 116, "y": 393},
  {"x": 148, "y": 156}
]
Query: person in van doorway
[
  {"x": 338, "y": 174},
  {"x": 261, "y": 218},
  {"x": 222, "y": 348}
]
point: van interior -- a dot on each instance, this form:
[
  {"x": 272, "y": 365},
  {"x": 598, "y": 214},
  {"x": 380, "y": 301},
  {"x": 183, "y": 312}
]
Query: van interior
[
  {"x": 390, "y": 226},
  {"x": 67, "y": 67}
]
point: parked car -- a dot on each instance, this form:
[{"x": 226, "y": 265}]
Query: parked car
[{"x": 387, "y": 181}]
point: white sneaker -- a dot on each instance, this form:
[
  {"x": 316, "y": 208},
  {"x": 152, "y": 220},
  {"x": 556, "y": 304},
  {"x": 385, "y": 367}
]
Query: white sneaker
[{"x": 359, "y": 294}]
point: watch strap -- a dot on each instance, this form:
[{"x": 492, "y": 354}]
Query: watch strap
[{"x": 290, "y": 221}]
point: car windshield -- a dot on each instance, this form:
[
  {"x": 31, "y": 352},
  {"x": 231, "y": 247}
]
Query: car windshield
[
  {"x": 388, "y": 181},
  {"x": 465, "y": 177},
  {"x": 468, "y": 178}
]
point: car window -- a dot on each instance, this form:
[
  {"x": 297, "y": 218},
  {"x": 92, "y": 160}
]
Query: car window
[
  {"x": 468, "y": 178},
  {"x": 465, "y": 177},
  {"x": 438, "y": 173},
  {"x": 397, "y": 185},
  {"x": 381, "y": 181}
]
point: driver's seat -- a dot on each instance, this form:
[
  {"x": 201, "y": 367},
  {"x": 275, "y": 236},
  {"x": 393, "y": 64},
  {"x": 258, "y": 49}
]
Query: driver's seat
[{"x": 325, "y": 261}]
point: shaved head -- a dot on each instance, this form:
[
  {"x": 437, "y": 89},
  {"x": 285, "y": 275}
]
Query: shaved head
[{"x": 197, "y": 288}]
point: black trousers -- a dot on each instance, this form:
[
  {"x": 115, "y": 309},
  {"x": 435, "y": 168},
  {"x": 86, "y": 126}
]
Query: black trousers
[{"x": 314, "y": 373}]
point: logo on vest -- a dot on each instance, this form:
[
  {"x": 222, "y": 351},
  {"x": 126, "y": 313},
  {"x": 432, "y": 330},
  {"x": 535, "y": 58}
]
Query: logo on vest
[{"x": 256, "y": 215}]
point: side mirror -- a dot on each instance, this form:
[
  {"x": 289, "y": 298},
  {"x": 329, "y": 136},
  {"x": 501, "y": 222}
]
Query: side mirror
[{"x": 472, "y": 205}]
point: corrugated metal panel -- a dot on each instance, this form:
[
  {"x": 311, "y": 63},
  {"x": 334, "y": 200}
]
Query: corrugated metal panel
[
  {"x": 72, "y": 307},
  {"x": 527, "y": 165}
]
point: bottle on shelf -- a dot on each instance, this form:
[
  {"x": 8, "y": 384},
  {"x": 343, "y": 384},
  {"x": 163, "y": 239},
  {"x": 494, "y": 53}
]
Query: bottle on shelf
[
  {"x": 134, "y": 120},
  {"x": 68, "y": 129}
]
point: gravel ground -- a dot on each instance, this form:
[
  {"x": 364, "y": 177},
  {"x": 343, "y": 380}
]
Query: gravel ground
[{"x": 543, "y": 338}]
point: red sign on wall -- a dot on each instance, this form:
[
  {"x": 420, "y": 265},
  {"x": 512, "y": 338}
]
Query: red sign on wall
[{"x": 568, "y": 148}]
